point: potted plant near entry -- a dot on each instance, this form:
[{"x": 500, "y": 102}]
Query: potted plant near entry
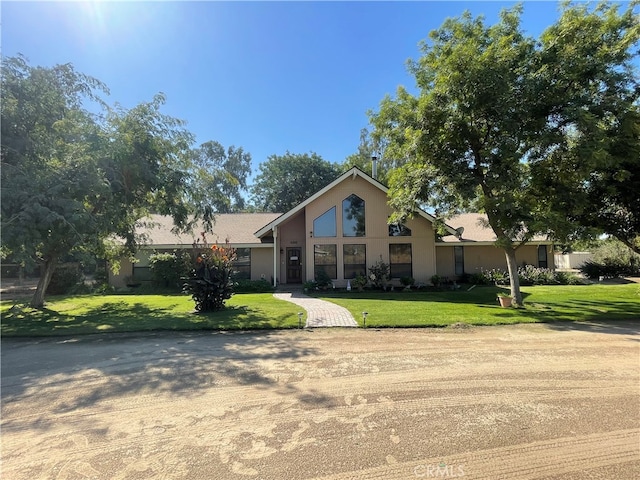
[{"x": 505, "y": 299}]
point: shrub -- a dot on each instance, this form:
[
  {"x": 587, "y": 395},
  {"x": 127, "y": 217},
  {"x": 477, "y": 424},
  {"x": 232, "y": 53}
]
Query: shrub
[
  {"x": 323, "y": 280},
  {"x": 64, "y": 279},
  {"x": 379, "y": 274},
  {"x": 612, "y": 259},
  {"x": 530, "y": 275},
  {"x": 407, "y": 281},
  {"x": 495, "y": 276},
  {"x": 252, "y": 286},
  {"x": 310, "y": 285},
  {"x": 436, "y": 280},
  {"x": 210, "y": 282},
  {"x": 568, "y": 278},
  {"x": 359, "y": 282},
  {"x": 169, "y": 269}
]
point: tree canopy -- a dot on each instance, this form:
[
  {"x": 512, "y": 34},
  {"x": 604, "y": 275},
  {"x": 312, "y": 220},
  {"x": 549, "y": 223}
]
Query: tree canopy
[
  {"x": 218, "y": 178},
  {"x": 286, "y": 180},
  {"x": 76, "y": 172},
  {"x": 498, "y": 111}
]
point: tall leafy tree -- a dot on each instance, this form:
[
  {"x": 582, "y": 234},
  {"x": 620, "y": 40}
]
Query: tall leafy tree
[
  {"x": 219, "y": 177},
  {"x": 72, "y": 179},
  {"x": 367, "y": 149},
  {"x": 496, "y": 109},
  {"x": 286, "y": 180}
]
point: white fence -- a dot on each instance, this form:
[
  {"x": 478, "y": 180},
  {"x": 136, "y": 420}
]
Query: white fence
[{"x": 571, "y": 261}]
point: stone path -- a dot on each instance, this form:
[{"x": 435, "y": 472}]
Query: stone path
[{"x": 320, "y": 313}]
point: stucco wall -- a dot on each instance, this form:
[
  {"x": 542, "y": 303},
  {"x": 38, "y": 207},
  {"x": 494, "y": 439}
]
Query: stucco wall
[
  {"x": 486, "y": 257},
  {"x": 262, "y": 263}
]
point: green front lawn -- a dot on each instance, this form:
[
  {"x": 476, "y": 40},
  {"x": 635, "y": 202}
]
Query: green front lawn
[
  {"x": 134, "y": 313},
  {"x": 480, "y": 307}
]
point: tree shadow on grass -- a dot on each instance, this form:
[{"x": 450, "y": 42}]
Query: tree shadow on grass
[
  {"x": 553, "y": 310},
  {"x": 615, "y": 317},
  {"x": 121, "y": 316}
]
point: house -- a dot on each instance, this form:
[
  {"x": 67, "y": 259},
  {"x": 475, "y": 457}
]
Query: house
[
  {"x": 342, "y": 230},
  {"x": 473, "y": 249}
]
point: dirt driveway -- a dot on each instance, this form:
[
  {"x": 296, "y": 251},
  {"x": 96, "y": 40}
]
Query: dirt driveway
[{"x": 517, "y": 402}]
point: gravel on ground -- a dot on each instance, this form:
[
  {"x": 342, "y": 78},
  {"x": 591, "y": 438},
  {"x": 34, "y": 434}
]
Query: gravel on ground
[{"x": 529, "y": 401}]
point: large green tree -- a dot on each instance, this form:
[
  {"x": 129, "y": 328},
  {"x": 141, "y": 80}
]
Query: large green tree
[
  {"x": 218, "y": 178},
  {"x": 495, "y": 110},
  {"x": 286, "y": 180},
  {"x": 71, "y": 178}
]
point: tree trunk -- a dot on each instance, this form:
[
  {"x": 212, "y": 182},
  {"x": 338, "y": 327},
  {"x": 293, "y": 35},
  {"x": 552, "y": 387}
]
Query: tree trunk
[
  {"x": 45, "y": 277},
  {"x": 512, "y": 267}
]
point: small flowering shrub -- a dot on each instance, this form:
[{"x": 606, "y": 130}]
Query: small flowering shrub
[
  {"x": 527, "y": 275},
  {"x": 530, "y": 275},
  {"x": 379, "y": 274},
  {"x": 495, "y": 276},
  {"x": 210, "y": 282}
]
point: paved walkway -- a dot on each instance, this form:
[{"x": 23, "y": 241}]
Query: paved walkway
[{"x": 320, "y": 313}]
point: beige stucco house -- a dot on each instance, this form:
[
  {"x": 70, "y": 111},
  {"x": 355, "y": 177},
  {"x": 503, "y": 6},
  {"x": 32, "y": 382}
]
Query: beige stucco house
[{"x": 342, "y": 230}]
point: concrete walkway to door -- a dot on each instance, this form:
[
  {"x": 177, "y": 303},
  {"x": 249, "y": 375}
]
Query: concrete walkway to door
[{"x": 320, "y": 313}]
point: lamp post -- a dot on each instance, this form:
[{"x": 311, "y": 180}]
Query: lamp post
[
  {"x": 300, "y": 319},
  {"x": 364, "y": 319}
]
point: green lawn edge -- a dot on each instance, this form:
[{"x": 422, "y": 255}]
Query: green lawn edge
[
  {"x": 479, "y": 305},
  {"x": 91, "y": 314}
]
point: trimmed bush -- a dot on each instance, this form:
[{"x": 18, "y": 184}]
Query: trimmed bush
[
  {"x": 168, "y": 270},
  {"x": 323, "y": 280},
  {"x": 252, "y": 286},
  {"x": 527, "y": 275}
]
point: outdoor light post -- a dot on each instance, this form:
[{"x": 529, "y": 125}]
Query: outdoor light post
[
  {"x": 299, "y": 319},
  {"x": 364, "y": 319}
]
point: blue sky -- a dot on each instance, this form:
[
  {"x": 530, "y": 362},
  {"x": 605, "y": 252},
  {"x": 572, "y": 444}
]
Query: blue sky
[{"x": 267, "y": 76}]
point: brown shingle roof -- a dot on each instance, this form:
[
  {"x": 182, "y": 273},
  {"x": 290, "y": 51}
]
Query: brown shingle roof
[
  {"x": 474, "y": 230},
  {"x": 238, "y": 228}
]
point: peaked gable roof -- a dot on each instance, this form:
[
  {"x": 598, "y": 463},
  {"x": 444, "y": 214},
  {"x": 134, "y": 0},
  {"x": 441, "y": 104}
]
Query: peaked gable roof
[{"x": 353, "y": 172}]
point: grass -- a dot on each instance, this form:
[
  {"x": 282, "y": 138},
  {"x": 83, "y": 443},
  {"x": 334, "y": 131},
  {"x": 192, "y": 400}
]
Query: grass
[
  {"x": 86, "y": 314},
  {"x": 480, "y": 307}
]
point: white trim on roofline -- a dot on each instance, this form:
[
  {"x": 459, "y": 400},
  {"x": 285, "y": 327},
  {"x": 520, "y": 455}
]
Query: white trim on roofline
[{"x": 354, "y": 172}]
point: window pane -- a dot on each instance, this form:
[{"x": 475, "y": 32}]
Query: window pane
[
  {"x": 400, "y": 260},
  {"x": 400, "y": 253},
  {"x": 353, "y": 217},
  {"x": 325, "y": 224},
  {"x": 355, "y": 260},
  {"x": 458, "y": 253},
  {"x": 243, "y": 256},
  {"x": 399, "y": 230},
  {"x": 325, "y": 259},
  {"x": 542, "y": 256}
]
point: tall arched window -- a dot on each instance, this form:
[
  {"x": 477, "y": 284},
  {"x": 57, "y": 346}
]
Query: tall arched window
[{"x": 353, "y": 217}]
